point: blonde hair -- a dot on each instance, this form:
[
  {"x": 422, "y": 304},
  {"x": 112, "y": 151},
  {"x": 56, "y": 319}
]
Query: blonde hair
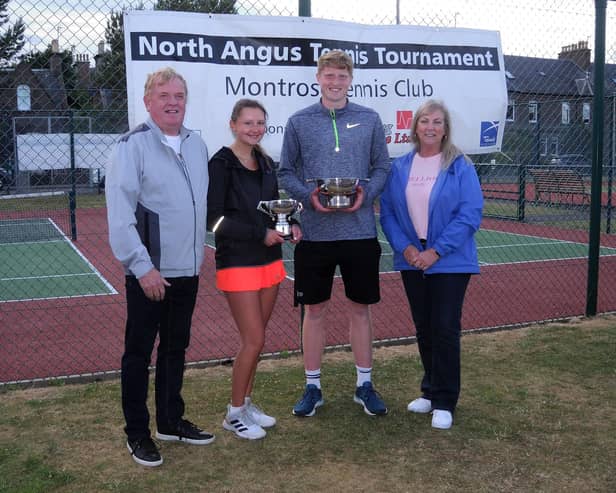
[
  {"x": 336, "y": 59},
  {"x": 163, "y": 76},
  {"x": 449, "y": 151}
]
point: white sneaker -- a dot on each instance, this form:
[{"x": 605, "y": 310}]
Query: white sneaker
[
  {"x": 243, "y": 425},
  {"x": 257, "y": 414},
  {"x": 420, "y": 405},
  {"x": 441, "y": 419}
]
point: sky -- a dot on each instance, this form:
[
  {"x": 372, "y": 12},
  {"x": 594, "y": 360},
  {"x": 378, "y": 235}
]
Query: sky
[{"x": 537, "y": 28}]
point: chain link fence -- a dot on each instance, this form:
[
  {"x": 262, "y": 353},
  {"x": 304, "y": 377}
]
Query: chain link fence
[{"x": 63, "y": 102}]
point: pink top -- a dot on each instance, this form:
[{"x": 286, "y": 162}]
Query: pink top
[{"x": 421, "y": 180}]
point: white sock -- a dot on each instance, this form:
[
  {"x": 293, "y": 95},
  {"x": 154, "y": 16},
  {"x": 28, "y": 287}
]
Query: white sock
[
  {"x": 247, "y": 400},
  {"x": 363, "y": 375},
  {"x": 233, "y": 411},
  {"x": 314, "y": 377}
]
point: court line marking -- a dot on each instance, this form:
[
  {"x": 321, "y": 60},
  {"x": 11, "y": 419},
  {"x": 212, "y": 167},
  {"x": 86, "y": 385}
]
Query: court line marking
[
  {"x": 538, "y": 243},
  {"x": 83, "y": 257},
  {"x": 111, "y": 290},
  {"x": 55, "y": 297},
  {"x": 31, "y": 242},
  {"x": 54, "y": 276},
  {"x": 552, "y": 240}
]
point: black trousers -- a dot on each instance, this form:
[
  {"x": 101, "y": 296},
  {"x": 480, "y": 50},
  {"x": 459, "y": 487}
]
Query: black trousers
[
  {"x": 170, "y": 319},
  {"x": 436, "y": 307}
]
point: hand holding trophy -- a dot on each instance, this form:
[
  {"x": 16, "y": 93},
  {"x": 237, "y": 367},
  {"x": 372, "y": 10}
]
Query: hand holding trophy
[
  {"x": 281, "y": 210},
  {"x": 339, "y": 192}
]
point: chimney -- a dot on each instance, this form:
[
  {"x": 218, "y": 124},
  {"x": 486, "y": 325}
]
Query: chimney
[
  {"x": 82, "y": 63},
  {"x": 100, "y": 54},
  {"x": 55, "y": 60},
  {"x": 578, "y": 53}
]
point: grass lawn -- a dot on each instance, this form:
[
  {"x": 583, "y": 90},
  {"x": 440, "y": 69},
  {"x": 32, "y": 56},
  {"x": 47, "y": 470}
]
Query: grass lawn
[{"x": 536, "y": 414}]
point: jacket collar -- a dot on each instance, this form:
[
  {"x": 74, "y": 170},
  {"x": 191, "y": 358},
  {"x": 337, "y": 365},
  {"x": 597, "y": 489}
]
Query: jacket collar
[{"x": 184, "y": 132}]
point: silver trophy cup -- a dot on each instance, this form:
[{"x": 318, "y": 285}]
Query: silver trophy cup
[
  {"x": 339, "y": 192},
  {"x": 281, "y": 210}
]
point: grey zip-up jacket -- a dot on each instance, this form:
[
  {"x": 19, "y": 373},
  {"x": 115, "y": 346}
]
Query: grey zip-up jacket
[
  {"x": 309, "y": 152},
  {"x": 156, "y": 202}
]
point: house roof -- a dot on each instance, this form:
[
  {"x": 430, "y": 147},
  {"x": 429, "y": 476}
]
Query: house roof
[
  {"x": 53, "y": 86},
  {"x": 545, "y": 76},
  {"x": 610, "y": 78},
  {"x": 50, "y": 84}
]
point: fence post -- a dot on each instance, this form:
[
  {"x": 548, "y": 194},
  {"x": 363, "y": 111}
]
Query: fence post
[
  {"x": 597, "y": 158},
  {"x": 522, "y": 191},
  {"x": 610, "y": 170},
  {"x": 304, "y": 11},
  {"x": 72, "y": 196},
  {"x": 304, "y": 8}
]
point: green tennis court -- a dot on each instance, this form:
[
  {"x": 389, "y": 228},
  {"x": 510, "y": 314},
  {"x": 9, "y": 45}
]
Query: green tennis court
[
  {"x": 494, "y": 248},
  {"x": 39, "y": 262},
  {"x": 498, "y": 247}
]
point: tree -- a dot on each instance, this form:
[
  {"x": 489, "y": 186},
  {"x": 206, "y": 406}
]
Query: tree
[
  {"x": 210, "y": 6},
  {"x": 111, "y": 73},
  {"x": 11, "y": 36}
]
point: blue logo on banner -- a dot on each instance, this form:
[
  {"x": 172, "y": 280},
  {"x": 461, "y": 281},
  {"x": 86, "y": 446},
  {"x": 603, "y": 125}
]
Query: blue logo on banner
[{"x": 489, "y": 131}]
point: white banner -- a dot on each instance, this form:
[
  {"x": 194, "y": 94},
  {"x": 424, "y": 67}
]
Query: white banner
[
  {"x": 273, "y": 59},
  {"x": 37, "y": 152}
]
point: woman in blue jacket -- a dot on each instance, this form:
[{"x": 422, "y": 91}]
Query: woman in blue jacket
[{"x": 430, "y": 211}]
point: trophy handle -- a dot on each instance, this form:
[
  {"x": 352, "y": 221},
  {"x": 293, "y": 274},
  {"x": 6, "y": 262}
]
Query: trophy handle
[{"x": 261, "y": 206}]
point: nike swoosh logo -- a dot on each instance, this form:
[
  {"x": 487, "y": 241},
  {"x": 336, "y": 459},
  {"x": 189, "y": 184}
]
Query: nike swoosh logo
[{"x": 353, "y": 125}]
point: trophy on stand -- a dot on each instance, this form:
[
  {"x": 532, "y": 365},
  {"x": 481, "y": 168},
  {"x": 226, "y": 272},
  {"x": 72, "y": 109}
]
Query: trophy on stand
[
  {"x": 281, "y": 210},
  {"x": 339, "y": 192}
]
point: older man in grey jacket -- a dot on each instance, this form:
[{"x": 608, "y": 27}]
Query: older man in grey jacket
[{"x": 156, "y": 191}]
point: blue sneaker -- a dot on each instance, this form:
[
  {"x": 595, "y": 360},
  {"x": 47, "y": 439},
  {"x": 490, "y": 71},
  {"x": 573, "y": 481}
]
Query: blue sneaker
[
  {"x": 370, "y": 399},
  {"x": 309, "y": 402}
]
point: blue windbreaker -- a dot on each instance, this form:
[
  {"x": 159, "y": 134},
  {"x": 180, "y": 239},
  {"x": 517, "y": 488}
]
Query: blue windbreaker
[{"x": 454, "y": 215}]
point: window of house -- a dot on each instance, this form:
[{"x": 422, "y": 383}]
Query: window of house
[
  {"x": 586, "y": 112},
  {"x": 565, "y": 113},
  {"x": 511, "y": 111},
  {"x": 554, "y": 146},
  {"x": 23, "y": 98},
  {"x": 533, "y": 109},
  {"x": 543, "y": 146}
]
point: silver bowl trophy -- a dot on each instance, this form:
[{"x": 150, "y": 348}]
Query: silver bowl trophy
[
  {"x": 281, "y": 210},
  {"x": 339, "y": 192}
]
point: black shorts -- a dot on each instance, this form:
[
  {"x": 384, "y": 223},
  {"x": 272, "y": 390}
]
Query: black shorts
[{"x": 315, "y": 266}]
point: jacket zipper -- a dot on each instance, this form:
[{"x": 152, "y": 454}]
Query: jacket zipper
[
  {"x": 192, "y": 196},
  {"x": 332, "y": 113}
]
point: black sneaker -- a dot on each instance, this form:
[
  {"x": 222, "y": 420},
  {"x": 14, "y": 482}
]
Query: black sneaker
[
  {"x": 144, "y": 452},
  {"x": 185, "y": 431}
]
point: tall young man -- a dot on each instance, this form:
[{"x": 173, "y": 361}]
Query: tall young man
[{"x": 336, "y": 138}]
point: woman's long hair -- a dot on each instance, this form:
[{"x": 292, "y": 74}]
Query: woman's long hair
[{"x": 449, "y": 151}]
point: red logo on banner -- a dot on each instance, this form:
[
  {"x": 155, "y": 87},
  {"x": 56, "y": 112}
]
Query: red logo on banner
[{"x": 404, "y": 119}]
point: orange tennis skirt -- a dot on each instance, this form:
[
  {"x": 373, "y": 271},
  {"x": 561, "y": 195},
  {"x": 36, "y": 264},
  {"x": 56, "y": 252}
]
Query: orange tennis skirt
[{"x": 250, "y": 278}]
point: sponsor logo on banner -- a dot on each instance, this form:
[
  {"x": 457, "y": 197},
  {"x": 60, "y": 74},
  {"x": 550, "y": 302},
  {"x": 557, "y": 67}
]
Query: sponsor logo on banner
[
  {"x": 404, "y": 118},
  {"x": 489, "y": 133}
]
